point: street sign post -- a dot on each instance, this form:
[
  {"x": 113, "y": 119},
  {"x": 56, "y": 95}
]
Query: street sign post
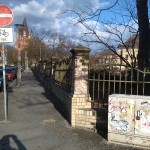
[
  {"x": 6, "y": 36},
  {"x": 6, "y": 15},
  {"x": 4, "y": 85}
]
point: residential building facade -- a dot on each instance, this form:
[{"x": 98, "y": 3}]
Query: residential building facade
[{"x": 127, "y": 52}]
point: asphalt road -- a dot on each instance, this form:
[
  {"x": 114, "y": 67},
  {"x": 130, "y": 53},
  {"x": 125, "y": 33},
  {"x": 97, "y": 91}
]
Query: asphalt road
[{"x": 35, "y": 124}]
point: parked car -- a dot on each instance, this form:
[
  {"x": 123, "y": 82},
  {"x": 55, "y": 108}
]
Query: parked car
[
  {"x": 10, "y": 73},
  {"x": 15, "y": 69},
  {"x": 1, "y": 80}
]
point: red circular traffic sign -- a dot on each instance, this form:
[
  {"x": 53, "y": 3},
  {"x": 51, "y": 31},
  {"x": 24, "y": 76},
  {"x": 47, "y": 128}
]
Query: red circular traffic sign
[{"x": 6, "y": 15}]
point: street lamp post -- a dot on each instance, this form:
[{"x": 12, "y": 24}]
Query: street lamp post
[
  {"x": 26, "y": 62},
  {"x": 19, "y": 26}
]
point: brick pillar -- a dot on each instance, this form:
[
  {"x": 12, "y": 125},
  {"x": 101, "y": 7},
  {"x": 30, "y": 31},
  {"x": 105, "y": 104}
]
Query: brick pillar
[
  {"x": 44, "y": 66},
  {"x": 51, "y": 81},
  {"x": 53, "y": 61},
  {"x": 43, "y": 73},
  {"x": 80, "y": 70},
  {"x": 80, "y": 97}
]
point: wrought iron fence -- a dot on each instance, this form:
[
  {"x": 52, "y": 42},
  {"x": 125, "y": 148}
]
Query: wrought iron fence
[
  {"x": 105, "y": 79},
  {"x": 48, "y": 69},
  {"x": 63, "y": 72}
]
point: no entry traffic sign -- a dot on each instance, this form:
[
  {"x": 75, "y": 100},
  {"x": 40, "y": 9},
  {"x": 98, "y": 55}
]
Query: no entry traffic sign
[{"x": 6, "y": 15}]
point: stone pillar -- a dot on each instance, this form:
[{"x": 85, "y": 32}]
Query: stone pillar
[
  {"x": 39, "y": 69},
  {"x": 53, "y": 61},
  {"x": 80, "y": 70},
  {"x": 80, "y": 96},
  {"x": 51, "y": 82},
  {"x": 44, "y": 66}
]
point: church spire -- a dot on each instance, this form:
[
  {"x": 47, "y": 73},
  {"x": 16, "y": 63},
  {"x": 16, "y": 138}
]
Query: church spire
[{"x": 25, "y": 28}]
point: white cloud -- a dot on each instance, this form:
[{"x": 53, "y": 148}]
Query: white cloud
[
  {"x": 32, "y": 8},
  {"x": 46, "y": 12},
  {"x": 45, "y": 15}
]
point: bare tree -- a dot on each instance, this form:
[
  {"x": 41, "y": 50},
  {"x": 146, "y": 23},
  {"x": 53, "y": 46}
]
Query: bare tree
[
  {"x": 59, "y": 44},
  {"x": 113, "y": 25},
  {"x": 36, "y": 48},
  {"x": 45, "y": 44},
  {"x": 11, "y": 55}
]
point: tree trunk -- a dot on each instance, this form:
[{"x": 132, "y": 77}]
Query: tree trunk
[{"x": 143, "y": 23}]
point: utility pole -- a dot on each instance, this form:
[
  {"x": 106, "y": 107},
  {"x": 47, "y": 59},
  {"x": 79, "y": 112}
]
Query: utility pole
[
  {"x": 26, "y": 61},
  {"x": 40, "y": 53},
  {"x": 19, "y": 67},
  {"x": 19, "y": 36}
]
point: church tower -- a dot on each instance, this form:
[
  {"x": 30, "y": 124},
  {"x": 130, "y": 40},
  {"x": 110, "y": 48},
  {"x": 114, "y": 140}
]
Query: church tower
[{"x": 22, "y": 35}]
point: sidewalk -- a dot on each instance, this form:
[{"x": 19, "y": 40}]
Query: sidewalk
[{"x": 35, "y": 124}]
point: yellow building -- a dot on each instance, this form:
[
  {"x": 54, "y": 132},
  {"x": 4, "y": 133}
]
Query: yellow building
[{"x": 129, "y": 51}]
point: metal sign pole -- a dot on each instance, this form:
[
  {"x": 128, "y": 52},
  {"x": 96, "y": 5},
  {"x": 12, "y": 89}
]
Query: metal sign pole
[
  {"x": 4, "y": 85},
  {"x": 6, "y": 35}
]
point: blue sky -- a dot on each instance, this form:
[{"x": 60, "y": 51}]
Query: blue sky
[{"x": 45, "y": 14}]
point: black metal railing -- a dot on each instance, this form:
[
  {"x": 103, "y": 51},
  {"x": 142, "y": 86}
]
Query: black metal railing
[
  {"x": 106, "y": 79},
  {"x": 63, "y": 72}
]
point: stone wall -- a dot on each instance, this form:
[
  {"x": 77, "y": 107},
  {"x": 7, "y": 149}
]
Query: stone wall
[
  {"x": 64, "y": 100},
  {"x": 128, "y": 116},
  {"x": 76, "y": 103}
]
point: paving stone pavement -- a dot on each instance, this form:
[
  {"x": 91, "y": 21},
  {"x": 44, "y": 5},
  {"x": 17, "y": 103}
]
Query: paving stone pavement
[{"x": 35, "y": 124}]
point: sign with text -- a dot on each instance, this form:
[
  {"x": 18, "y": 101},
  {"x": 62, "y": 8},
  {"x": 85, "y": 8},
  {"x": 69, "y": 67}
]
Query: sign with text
[{"x": 6, "y": 35}]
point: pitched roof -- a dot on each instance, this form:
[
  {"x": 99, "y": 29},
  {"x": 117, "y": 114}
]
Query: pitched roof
[{"x": 132, "y": 42}]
